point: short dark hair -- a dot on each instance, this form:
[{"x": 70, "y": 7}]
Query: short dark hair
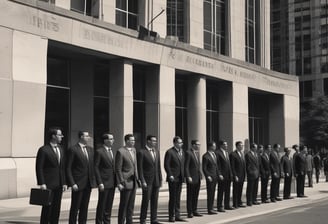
[
  {"x": 127, "y": 137},
  {"x": 253, "y": 145},
  {"x": 193, "y": 142},
  {"x": 221, "y": 142},
  {"x": 52, "y": 131},
  {"x": 260, "y": 146},
  {"x": 267, "y": 146},
  {"x": 286, "y": 149},
  {"x": 176, "y": 138},
  {"x": 275, "y": 145},
  {"x": 238, "y": 142},
  {"x": 149, "y": 137},
  {"x": 81, "y": 133},
  {"x": 294, "y": 146},
  {"x": 211, "y": 143}
]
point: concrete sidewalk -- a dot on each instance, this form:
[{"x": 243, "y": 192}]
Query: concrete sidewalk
[{"x": 19, "y": 211}]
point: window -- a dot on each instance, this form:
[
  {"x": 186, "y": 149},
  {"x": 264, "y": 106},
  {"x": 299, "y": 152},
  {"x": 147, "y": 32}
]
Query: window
[
  {"x": 212, "y": 111},
  {"x": 181, "y": 119},
  {"x": 250, "y": 31},
  {"x": 139, "y": 105},
  {"x": 127, "y": 13},
  {"x": 175, "y": 18},
  {"x": 100, "y": 102},
  {"x": 58, "y": 97},
  {"x": 305, "y": 89},
  {"x": 215, "y": 26},
  {"x": 258, "y": 118},
  {"x": 86, "y": 7}
]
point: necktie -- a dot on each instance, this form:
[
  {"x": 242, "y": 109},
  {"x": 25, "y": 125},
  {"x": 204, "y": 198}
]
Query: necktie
[
  {"x": 84, "y": 149},
  {"x": 131, "y": 153},
  {"x": 152, "y": 154},
  {"x": 213, "y": 156},
  {"x": 196, "y": 157},
  {"x": 110, "y": 154},
  {"x": 57, "y": 153}
]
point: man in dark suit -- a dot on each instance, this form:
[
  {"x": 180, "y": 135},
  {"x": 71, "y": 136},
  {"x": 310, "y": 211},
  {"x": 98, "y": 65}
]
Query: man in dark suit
[
  {"x": 105, "y": 176},
  {"x": 150, "y": 174},
  {"x": 253, "y": 172},
  {"x": 225, "y": 176},
  {"x": 238, "y": 169},
  {"x": 286, "y": 168},
  {"x": 275, "y": 173},
  {"x": 300, "y": 170},
  {"x": 211, "y": 173},
  {"x": 265, "y": 171},
  {"x": 80, "y": 176},
  {"x": 50, "y": 173},
  {"x": 193, "y": 177},
  {"x": 174, "y": 166},
  {"x": 126, "y": 170}
]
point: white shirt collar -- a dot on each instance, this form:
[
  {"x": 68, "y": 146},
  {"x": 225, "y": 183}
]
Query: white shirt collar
[
  {"x": 149, "y": 149},
  {"x": 53, "y": 145},
  {"x": 82, "y": 145}
]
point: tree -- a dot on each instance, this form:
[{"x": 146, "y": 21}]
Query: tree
[{"x": 314, "y": 122}]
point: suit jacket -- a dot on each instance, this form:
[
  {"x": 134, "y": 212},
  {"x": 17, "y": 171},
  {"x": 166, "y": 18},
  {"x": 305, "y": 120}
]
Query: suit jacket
[
  {"x": 104, "y": 168},
  {"x": 300, "y": 164},
  {"x": 274, "y": 163},
  {"x": 252, "y": 165},
  {"x": 223, "y": 165},
  {"x": 192, "y": 166},
  {"x": 148, "y": 169},
  {"x": 80, "y": 170},
  {"x": 126, "y": 168},
  {"x": 238, "y": 166},
  {"x": 210, "y": 167},
  {"x": 174, "y": 164},
  {"x": 286, "y": 165},
  {"x": 265, "y": 169},
  {"x": 48, "y": 170}
]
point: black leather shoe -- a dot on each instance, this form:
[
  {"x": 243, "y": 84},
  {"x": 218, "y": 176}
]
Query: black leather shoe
[
  {"x": 142, "y": 222},
  {"x": 212, "y": 212},
  {"x": 190, "y": 216},
  {"x": 242, "y": 206},
  {"x": 197, "y": 214},
  {"x": 156, "y": 222},
  {"x": 171, "y": 219},
  {"x": 229, "y": 208},
  {"x": 249, "y": 204},
  {"x": 256, "y": 203},
  {"x": 266, "y": 201},
  {"x": 273, "y": 200},
  {"x": 179, "y": 219},
  {"x": 221, "y": 210}
]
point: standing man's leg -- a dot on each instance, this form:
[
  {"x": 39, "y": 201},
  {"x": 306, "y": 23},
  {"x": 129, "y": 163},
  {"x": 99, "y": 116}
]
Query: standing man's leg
[
  {"x": 83, "y": 212},
  {"x": 130, "y": 206},
  {"x": 154, "y": 204}
]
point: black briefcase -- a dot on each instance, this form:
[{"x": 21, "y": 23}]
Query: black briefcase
[{"x": 40, "y": 197}]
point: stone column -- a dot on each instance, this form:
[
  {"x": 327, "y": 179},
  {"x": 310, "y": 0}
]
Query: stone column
[
  {"x": 107, "y": 11},
  {"x": 121, "y": 99},
  {"x": 234, "y": 114},
  {"x": 64, "y": 4},
  {"x": 197, "y": 111},
  {"x": 195, "y": 14},
  {"x": 292, "y": 120},
  {"x": 264, "y": 34}
]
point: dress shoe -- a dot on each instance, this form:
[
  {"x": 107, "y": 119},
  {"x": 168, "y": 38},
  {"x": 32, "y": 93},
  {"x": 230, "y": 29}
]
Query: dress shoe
[
  {"x": 229, "y": 208},
  {"x": 303, "y": 196},
  {"x": 266, "y": 201},
  {"x": 156, "y": 222},
  {"x": 212, "y": 212},
  {"x": 142, "y": 222},
  {"x": 249, "y": 204},
  {"x": 197, "y": 214},
  {"x": 256, "y": 203},
  {"x": 278, "y": 199},
  {"x": 273, "y": 200},
  {"x": 289, "y": 197},
  {"x": 179, "y": 219},
  {"x": 190, "y": 216},
  {"x": 171, "y": 219},
  {"x": 221, "y": 210},
  {"x": 242, "y": 206}
]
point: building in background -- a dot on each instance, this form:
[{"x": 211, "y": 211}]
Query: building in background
[{"x": 93, "y": 65}]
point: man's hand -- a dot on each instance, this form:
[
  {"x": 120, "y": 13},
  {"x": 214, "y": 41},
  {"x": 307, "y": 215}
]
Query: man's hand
[
  {"x": 144, "y": 185},
  {"x": 43, "y": 187},
  {"x": 101, "y": 187},
  {"x": 209, "y": 179},
  {"x": 64, "y": 188},
  {"x": 189, "y": 180},
  {"x": 120, "y": 187},
  {"x": 287, "y": 174},
  {"x": 221, "y": 177},
  {"x": 236, "y": 179},
  {"x": 75, "y": 187},
  {"x": 171, "y": 178}
]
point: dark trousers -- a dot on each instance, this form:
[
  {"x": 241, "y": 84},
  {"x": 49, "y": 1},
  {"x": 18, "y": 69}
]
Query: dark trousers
[
  {"x": 210, "y": 188},
  {"x": 237, "y": 193},
  {"x": 126, "y": 207},
  {"x": 287, "y": 185},
  {"x": 50, "y": 214},
  {"x": 251, "y": 190},
  {"x": 300, "y": 179},
  {"x": 317, "y": 174},
  {"x": 274, "y": 188},
  {"x": 224, "y": 189},
  {"x": 192, "y": 197},
  {"x": 79, "y": 205},
  {"x": 174, "y": 199},
  {"x": 149, "y": 194},
  {"x": 104, "y": 206},
  {"x": 309, "y": 175},
  {"x": 264, "y": 189}
]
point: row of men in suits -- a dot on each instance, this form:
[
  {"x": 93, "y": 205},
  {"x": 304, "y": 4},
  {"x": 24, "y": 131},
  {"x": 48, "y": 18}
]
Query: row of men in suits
[{"x": 82, "y": 169}]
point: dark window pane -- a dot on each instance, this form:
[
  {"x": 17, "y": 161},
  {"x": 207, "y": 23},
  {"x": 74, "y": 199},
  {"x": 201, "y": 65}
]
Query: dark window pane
[
  {"x": 139, "y": 83},
  {"x": 101, "y": 118},
  {"x": 133, "y": 21},
  {"x": 180, "y": 93},
  {"x": 57, "y": 72},
  {"x": 101, "y": 80},
  {"x": 139, "y": 123},
  {"x": 133, "y": 6},
  {"x": 121, "y": 4},
  {"x": 120, "y": 18}
]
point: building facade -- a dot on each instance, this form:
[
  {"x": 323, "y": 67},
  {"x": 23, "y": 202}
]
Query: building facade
[
  {"x": 300, "y": 43},
  {"x": 89, "y": 65}
]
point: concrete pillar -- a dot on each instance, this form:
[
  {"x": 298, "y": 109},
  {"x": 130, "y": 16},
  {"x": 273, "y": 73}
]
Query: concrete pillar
[
  {"x": 63, "y": 4},
  {"x": 276, "y": 120},
  {"x": 264, "y": 34},
  {"x": 81, "y": 98},
  {"x": 292, "y": 119},
  {"x": 196, "y": 23},
  {"x": 234, "y": 114},
  {"x": 236, "y": 24},
  {"x": 197, "y": 111},
  {"x": 121, "y": 99},
  {"x": 107, "y": 11}
]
